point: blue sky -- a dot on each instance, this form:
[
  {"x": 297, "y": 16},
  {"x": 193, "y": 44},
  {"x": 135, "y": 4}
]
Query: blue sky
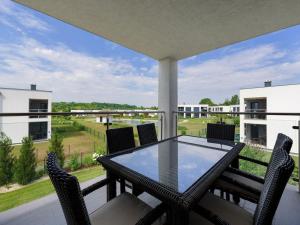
[{"x": 79, "y": 66}]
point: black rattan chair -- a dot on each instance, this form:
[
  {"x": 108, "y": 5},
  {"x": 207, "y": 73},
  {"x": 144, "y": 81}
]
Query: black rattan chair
[
  {"x": 215, "y": 210},
  {"x": 244, "y": 184},
  {"x": 124, "y": 209},
  {"x": 147, "y": 133},
  {"x": 119, "y": 139},
  {"x": 220, "y": 131}
]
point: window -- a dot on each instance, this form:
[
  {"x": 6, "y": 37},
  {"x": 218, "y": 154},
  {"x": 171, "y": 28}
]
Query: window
[
  {"x": 38, "y": 130},
  {"x": 38, "y": 105},
  {"x": 188, "y": 109},
  {"x": 196, "y": 110},
  {"x": 181, "y": 109}
]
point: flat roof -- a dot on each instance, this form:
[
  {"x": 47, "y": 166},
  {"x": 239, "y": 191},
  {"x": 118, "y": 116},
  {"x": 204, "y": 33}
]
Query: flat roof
[
  {"x": 23, "y": 89},
  {"x": 173, "y": 29},
  {"x": 278, "y": 85}
]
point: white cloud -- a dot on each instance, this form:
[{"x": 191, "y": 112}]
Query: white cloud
[
  {"x": 20, "y": 19},
  {"x": 74, "y": 76},
  {"x": 222, "y": 77}
]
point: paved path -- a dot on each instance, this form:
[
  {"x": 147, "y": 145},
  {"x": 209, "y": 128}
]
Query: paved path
[{"x": 47, "y": 210}]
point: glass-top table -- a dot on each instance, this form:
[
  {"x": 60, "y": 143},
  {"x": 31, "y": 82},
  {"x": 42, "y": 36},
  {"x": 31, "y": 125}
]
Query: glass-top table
[
  {"x": 177, "y": 170},
  {"x": 172, "y": 163}
]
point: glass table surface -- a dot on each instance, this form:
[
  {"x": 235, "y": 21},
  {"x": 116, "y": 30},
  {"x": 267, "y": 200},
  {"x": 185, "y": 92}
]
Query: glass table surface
[
  {"x": 215, "y": 143},
  {"x": 172, "y": 163}
]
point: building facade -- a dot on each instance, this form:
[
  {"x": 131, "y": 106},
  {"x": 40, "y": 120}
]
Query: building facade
[
  {"x": 25, "y": 100},
  {"x": 263, "y": 130},
  {"x": 194, "y": 109}
]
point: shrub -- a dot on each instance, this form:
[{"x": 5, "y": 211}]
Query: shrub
[
  {"x": 74, "y": 162},
  {"x": 88, "y": 161},
  {"x": 236, "y": 121},
  {"x": 26, "y": 163},
  {"x": 56, "y": 146},
  {"x": 6, "y": 160},
  {"x": 39, "y": 173}
]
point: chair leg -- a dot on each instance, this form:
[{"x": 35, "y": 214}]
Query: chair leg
[
  {"x": 227, "y": 196},
  {"x": 236, "y": 199},
  {"x": 136, "y": 191},
  {"x": 222, "y": 193},
  {"x": 122, "y": 185}
]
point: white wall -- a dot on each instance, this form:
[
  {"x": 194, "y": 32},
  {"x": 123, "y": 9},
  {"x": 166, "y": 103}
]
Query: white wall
[
  {"x": 15, "y": 100},
  {"x": 279, "y": 99}
]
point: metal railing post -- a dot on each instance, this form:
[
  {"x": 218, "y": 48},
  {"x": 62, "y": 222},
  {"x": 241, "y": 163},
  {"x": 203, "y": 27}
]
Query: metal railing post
[
  {"x": 299, "y": 155},
  {"x": 176, "y": 125},
  {"x": 161, "y": 126}
]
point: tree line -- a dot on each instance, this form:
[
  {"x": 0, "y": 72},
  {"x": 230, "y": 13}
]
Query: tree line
[
  {"x": 67, "y": 106},
  {"x": 234, "y": 100}
]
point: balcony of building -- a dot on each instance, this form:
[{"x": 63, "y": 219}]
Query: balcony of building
[
  {"x": 255, "y": 105},
  {"x": 167, "y": 31}
]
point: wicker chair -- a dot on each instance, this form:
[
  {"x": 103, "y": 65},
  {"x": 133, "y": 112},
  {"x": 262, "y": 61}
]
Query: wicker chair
[
  {"x": 220, "y": 131},
  {"x": 119, "y": 139},
  {"x": 147, "y": 133},
  {"x": 215, "y": 210},
  {"x": 124, "y": 209},
  {"x": 244, "y": 184}
]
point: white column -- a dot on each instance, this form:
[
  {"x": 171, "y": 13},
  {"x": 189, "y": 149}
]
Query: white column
[{"x": 167, "y": 94}]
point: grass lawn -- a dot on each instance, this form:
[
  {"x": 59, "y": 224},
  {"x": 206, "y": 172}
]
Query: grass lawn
[{"x": 41, "y": 188}]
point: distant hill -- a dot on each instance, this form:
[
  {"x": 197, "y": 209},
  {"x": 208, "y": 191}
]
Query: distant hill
[{"x": 67, "y": 106}]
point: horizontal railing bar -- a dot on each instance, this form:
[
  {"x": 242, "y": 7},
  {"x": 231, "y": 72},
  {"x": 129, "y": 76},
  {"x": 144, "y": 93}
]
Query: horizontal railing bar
[
  {"x": 244, "y": 113},
  {"x": 75, "y": 113}
]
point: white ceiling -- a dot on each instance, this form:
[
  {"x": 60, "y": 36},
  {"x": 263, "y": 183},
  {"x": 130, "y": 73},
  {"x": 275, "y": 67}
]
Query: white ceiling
[{"x": 173, "y": 28}]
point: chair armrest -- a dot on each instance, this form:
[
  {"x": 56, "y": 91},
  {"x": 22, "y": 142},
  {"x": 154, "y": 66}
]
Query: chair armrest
[
  {"x": 253, "y": 160},
  {"x": 95, "y": 186},
  {"x": 153, "y": 215},
  {"x": 207, "y": 214},
  {"x": 246, "y": 174}
]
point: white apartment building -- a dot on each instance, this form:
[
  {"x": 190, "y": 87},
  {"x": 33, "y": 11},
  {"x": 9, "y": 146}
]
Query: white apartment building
[
  {"x": 205, "y": 108},
  {"x": 104, "y": 119},
  {"x": 14, "y": 100},
  {"x": 194, "y": 111},
  {"x": 263, "y": 130}
]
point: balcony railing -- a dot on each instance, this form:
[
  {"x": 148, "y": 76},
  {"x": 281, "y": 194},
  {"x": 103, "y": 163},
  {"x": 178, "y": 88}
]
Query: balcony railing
[
  {"x": 256, "y": 116},
  {"x": 38, "y": 111}
]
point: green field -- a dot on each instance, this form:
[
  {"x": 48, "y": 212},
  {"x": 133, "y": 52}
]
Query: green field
[{"x": 41, "y": 188}]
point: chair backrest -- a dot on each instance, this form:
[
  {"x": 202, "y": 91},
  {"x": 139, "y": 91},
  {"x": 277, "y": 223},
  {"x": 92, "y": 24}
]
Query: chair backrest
[
  {"x": 280, "y": 170},
  {"x": 120, "y": 139},
  {"x": 284, "y": 142},
  {"x": 68, "y": 192},
  {"x": 220, "y": 131},
  {"x": 147, "y": 133}
]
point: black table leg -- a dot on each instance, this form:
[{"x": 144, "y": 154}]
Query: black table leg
[
  {"x": 111, "y": 187},
  {"x": 235, "y": 164},
  {"x": 177, "y": 216}
]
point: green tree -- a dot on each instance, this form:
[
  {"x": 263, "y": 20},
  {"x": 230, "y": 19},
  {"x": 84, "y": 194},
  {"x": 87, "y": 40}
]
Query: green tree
[
  {"x": 207, "y": 101},
  {"x": 6, "y": 160},
  {"x": 26, "y": 163},
  {"x": 235, "y": 100},
  {"x": 56, "y": 146},
  {"x": 227, "y": 102}
]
